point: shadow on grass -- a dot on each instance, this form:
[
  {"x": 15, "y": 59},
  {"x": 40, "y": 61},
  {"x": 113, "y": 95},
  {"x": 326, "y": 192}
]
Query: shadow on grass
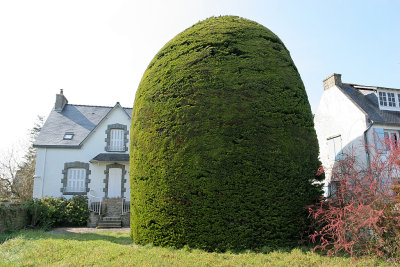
[
  {"x": 124, "y": 239},
  {"x": 113, "y": 237}
]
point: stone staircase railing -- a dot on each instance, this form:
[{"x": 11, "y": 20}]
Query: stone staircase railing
[{"x": 94, "y": 203}]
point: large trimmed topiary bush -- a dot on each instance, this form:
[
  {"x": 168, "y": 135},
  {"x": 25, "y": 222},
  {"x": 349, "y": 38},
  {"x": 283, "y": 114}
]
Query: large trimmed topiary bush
[{"x": 223, "y": 150}]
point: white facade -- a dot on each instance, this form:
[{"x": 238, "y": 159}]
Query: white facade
[
  {"x": 350, "y": 121},
  {"x": 338, "y": 118},
  {"x": 103, "y": 180}
]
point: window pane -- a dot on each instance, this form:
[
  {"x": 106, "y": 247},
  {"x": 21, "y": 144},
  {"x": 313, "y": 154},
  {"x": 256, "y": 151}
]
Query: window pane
[
  {"x": 382, "y": 99},
  {"x": 398, "y": 98},
  {"x": 391, "y": 100}
]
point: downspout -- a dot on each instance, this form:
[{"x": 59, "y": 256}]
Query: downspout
[
  {"x": 43, "y": 170},
  {"x": 366, "y": 141}
]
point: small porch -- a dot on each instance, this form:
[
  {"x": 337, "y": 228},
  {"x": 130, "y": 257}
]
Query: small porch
[
  {"x": 108, "y": 212},
  {"x": 108, "y": 199}
]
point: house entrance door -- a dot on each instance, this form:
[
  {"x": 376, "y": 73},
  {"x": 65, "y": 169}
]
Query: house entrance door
[{"x": 114, "y": 182}]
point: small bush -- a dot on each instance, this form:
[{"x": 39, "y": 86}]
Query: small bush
[
  {"x": 362, "y": 215},
  {"x": 51, "y": 212},
  {"x": 12, "y": 217},
  {"x": 77, "y": 211}
]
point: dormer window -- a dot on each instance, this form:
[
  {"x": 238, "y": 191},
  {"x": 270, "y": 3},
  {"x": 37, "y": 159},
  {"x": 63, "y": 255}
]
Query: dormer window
[
  {"x": 389, "y": 100},
  {"x": 68, "y": 136},
  {"x": 117, "y": 138}
]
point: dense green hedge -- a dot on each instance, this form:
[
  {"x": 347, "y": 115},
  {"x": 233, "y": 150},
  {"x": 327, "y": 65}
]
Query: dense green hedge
[
  {"x": 223, "y": 148},
  {"x": 50, "y": 212},
  {"x": 13, "y": 216}
]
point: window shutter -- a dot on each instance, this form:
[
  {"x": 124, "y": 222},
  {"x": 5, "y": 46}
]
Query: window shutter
[
  {"x": 117, "y": 140},
  {"x": 76, "y": 180},
  {"x": 379, "y": 139}
]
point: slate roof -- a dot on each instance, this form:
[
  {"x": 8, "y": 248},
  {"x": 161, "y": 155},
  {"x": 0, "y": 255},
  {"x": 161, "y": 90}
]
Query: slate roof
[
  {"x": 365, "y": 97},
  {"x": 111, "y": 157},
  {"x": 78, "y": 119}
]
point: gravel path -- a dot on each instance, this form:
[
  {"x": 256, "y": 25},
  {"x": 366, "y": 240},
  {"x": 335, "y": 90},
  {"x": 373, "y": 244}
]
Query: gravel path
[{"x": 81, "y": 230}]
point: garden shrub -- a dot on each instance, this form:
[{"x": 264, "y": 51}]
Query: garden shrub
[
  {"x": 362, "y": 216},
  {"x": 51, "y": 212},
  {"x": 223, "y": 148},
  {"x": 12, "y": 217}
]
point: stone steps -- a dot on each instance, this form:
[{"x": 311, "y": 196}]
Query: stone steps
[{"x": 110, "y": 222}]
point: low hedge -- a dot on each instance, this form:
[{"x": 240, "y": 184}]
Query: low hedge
[
  {"x": 51, "y": 212},
  {"x": 13, "y": 216}
]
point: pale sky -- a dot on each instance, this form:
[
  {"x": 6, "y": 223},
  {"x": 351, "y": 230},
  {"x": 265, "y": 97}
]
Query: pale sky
[{"x": 98, "y": 50}]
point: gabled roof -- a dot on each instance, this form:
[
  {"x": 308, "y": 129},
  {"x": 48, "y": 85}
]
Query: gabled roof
[
  {"x": 365, "y": 97},
  {"x": 80, "y": 120}
]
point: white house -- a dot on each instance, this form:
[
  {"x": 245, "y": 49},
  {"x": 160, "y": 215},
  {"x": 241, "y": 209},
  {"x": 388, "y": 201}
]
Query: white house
[
  {"x": 84, "y": 150},
  {"x": 352, "y": 117}
]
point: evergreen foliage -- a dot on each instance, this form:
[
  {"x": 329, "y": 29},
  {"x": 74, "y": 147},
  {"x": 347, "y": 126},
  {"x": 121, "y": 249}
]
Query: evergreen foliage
[
  {"x": 223, "y": 148},
  {"x": 51, "y": 212}
]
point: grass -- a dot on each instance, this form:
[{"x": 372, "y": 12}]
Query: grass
[{"x": 38, "y": 248}]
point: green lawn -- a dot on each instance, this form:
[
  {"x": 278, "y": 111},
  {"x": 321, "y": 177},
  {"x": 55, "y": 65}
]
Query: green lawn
[{"x": 37, "y": 248}]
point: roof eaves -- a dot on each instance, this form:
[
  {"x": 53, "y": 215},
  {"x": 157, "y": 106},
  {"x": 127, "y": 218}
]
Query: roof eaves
[
  {"x": 360, "y": 86},
  {"x": 385, "y": 123},
  {"x": 57, "y": 146},
  {"x": 129, "y": 115}
]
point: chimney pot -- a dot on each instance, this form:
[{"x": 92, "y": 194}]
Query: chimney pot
[
  {"x": 334, "y": 79},
  {"x": 61, "y": 91}
]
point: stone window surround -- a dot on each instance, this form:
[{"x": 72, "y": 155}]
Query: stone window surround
[
  {"x": 64, "y": 181},
  {"x": 108, "y": 131},
  {"x": 123, "y": 180}
]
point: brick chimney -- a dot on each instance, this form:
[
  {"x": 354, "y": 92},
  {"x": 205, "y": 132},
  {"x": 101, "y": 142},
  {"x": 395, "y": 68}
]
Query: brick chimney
[
  {"x": 334, "y": 79},
  {"x": 61, "y": 101}
]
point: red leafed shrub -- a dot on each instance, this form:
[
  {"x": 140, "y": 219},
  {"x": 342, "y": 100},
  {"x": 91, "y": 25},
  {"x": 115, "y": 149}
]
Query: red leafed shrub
[{"x": 362, "y": 213}]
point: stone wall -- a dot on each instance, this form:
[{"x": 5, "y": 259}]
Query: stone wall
[
  {"x": 94, "y": 219},
  {"x": 12, "y": 217},
  {"x": 111, "y": 207},
  {"x": 126, "y": 219}
]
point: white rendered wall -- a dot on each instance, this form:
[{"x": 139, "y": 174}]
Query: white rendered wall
[
  {"x": 338, "y": 115},
  {"x": 50, "y": 161}
]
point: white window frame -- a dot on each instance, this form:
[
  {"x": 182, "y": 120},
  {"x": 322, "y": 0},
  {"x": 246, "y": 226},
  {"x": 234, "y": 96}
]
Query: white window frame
[
  {"x": 398, "y": 98},
  {"x": 391, "y": 99},
  {"x": 382, "y": 99},
  {"x": 388, "y": 99}
]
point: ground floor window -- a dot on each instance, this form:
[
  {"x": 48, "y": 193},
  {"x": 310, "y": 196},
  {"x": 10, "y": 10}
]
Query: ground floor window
[
  {"x": 391, "y": 139},
  {"x": 76, "y": 178}
]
